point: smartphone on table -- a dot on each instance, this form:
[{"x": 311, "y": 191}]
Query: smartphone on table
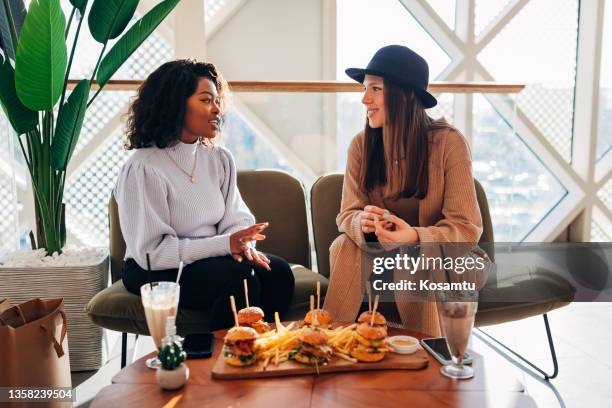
[
  {"x": 438, "y": 347},
  {"x": 199, "y": 345}
]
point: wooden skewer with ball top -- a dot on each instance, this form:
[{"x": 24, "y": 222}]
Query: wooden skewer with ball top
[
  {"x": 369, "y": 290},
  {"x": 246, "y": 292},
  {"x": 233, "y": 304},
  {"x": 374, "y": 310}
]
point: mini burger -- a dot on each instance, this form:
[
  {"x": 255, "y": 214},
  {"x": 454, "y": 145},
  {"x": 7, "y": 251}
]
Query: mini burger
[
  {"x": 239, "y": 346},
  {"x": 253, "y": 317},
  {"x": 318, "y": 318},
  {"x": 369, "y": 345},
  {"x": 379, "y": 319},
  {"x": 312, "y": 348}
]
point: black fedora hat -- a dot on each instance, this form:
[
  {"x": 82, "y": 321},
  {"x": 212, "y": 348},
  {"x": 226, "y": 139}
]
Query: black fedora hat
[{"x": 401, "y": 66}]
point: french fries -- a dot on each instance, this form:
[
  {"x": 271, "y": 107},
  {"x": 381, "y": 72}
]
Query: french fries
[
  {"x": 345, "y": 357},
  {"x": 341, "y": 337},
  {"x": 274, "y": 346}
]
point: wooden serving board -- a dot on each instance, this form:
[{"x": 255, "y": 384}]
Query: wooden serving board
[{"x": 392, "y": 361}]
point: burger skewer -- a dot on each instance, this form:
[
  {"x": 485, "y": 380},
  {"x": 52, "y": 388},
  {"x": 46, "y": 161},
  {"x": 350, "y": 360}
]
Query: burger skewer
[
  {"x": 238, "y": 348},
  {"x": 369, "y": 340},
  {"x": 374, "y": 311},
  {"x": 233, "y": 304},
  {"x": 318, "y": 317},
  {"x": 366, "y": 317},
  {"x": 253, "y": 317},
  {"x": 246, "y": 292},
  {"x": 312, "y": 348},
  {"x": 369, "y": 290}
]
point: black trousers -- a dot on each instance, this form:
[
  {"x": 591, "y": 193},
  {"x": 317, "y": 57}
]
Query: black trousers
[{"x": 209, "y": 282}]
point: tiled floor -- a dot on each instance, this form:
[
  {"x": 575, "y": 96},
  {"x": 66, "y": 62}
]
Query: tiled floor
[{"x": 582, "y": 333}]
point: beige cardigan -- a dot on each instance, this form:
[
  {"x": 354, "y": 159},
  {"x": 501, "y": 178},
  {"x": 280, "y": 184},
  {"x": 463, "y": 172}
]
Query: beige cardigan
[{"x": 449, "y": 213}]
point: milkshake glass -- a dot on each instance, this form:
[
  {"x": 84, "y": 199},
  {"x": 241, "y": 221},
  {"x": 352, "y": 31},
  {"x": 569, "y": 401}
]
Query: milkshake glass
[
  {"x": 456, "y": 310},
  {"x": 160, "y": 300}
]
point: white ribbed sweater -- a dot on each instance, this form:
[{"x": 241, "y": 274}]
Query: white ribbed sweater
[{"x": 162, "y": 213}]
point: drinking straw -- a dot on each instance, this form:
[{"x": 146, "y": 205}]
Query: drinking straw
[
  {"x": 369, "y": 290},
  {"x": 318, "y": 295},
  {"x": 374, "y": 310},
  {"x": 233, "y": 304},
  {"x": 246, "y": 292},
  {"x": 149, "y": 271},
  {"x": 180, "y": 270},
  {"x": 448, "y": 278}
]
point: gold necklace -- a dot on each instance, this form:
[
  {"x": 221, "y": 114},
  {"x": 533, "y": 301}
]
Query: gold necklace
[{"x": 195, "y": 161}]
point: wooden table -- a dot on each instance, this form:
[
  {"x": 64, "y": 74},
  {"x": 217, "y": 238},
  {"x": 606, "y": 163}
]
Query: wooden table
[{"x": 492, "y": 386}]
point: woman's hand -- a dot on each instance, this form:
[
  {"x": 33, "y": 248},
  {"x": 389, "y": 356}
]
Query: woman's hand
[
  {"x": 240, "y": 245},
  {"x": 239, "y": 240},
  {"x": 370, "y": 214},
  {"x": 255, "y": 257},
  {"x": 402, "y": 232}
]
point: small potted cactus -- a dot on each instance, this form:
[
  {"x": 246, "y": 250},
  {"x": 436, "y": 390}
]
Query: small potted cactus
[{"x": 173, "y": 373}]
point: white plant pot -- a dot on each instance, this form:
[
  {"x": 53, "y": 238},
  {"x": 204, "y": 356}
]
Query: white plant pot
[
  {"x": 77, "y": 285},
  {"x": 173, "y": 379}
]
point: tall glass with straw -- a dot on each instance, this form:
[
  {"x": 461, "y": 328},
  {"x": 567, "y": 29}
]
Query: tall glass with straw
[
  {"x": 456, "y": 310},
  {"x": 160, "y": 301}
]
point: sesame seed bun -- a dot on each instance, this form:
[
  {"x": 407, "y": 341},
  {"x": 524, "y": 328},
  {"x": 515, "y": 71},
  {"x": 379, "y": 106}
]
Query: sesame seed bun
[
  {"x": 379, "y": 319},
  {"x": 250, "y": 315},
  {"x": 371, "y": 332},
  {"x": 240, "y": 333},
  {"x": 313, "y": 337},
  {"x": 323, "y": 317}
]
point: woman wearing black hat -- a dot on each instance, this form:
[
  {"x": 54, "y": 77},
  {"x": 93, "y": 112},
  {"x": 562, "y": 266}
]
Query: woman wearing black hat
[{"x": 404, "y": 162}]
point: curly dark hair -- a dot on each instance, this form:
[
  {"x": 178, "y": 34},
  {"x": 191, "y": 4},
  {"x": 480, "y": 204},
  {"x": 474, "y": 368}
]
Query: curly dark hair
[{"x": 157, "y": 113}]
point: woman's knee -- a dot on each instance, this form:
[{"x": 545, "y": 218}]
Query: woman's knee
[
  {"x": 281, "y": 269},
  {"x": 342, "y": 247},
  {"x": 341, "y": 243}
]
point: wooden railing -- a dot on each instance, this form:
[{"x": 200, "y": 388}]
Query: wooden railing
[{"x": 328, "y": 86}]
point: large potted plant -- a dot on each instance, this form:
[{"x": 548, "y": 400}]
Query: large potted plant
[{"x": 34, "y": 71}]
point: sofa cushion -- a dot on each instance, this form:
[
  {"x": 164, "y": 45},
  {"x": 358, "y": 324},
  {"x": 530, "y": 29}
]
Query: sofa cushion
[{"x": 531, "y": 293}]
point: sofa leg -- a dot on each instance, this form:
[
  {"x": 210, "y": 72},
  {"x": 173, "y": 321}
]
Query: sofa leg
[
  {"x": 123, "y": 349},
  {"x": 529, "y": 363}
]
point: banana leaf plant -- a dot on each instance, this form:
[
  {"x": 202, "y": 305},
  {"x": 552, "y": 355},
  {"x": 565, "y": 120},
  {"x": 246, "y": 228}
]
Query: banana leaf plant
[{"x": 34, "y": 72}]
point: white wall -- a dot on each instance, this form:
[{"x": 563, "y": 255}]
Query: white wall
[
  {"x": 270, "y": 39},
  {"x": 280, "y": 40}
]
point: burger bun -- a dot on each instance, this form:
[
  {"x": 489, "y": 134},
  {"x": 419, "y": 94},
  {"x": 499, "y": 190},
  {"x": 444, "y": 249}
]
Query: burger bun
[
  {"x": 250, "y": 315},
  {"x": 236, "y": 362},
  {"x": 367, "y": 357}
]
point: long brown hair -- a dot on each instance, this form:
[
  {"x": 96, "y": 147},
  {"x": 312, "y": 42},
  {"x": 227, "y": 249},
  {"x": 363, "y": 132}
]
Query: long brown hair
[{"x": 396, "y": 155}]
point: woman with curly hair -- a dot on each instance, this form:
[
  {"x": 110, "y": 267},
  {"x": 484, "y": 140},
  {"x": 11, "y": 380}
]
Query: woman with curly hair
[{"x": 178, "y": 199}]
